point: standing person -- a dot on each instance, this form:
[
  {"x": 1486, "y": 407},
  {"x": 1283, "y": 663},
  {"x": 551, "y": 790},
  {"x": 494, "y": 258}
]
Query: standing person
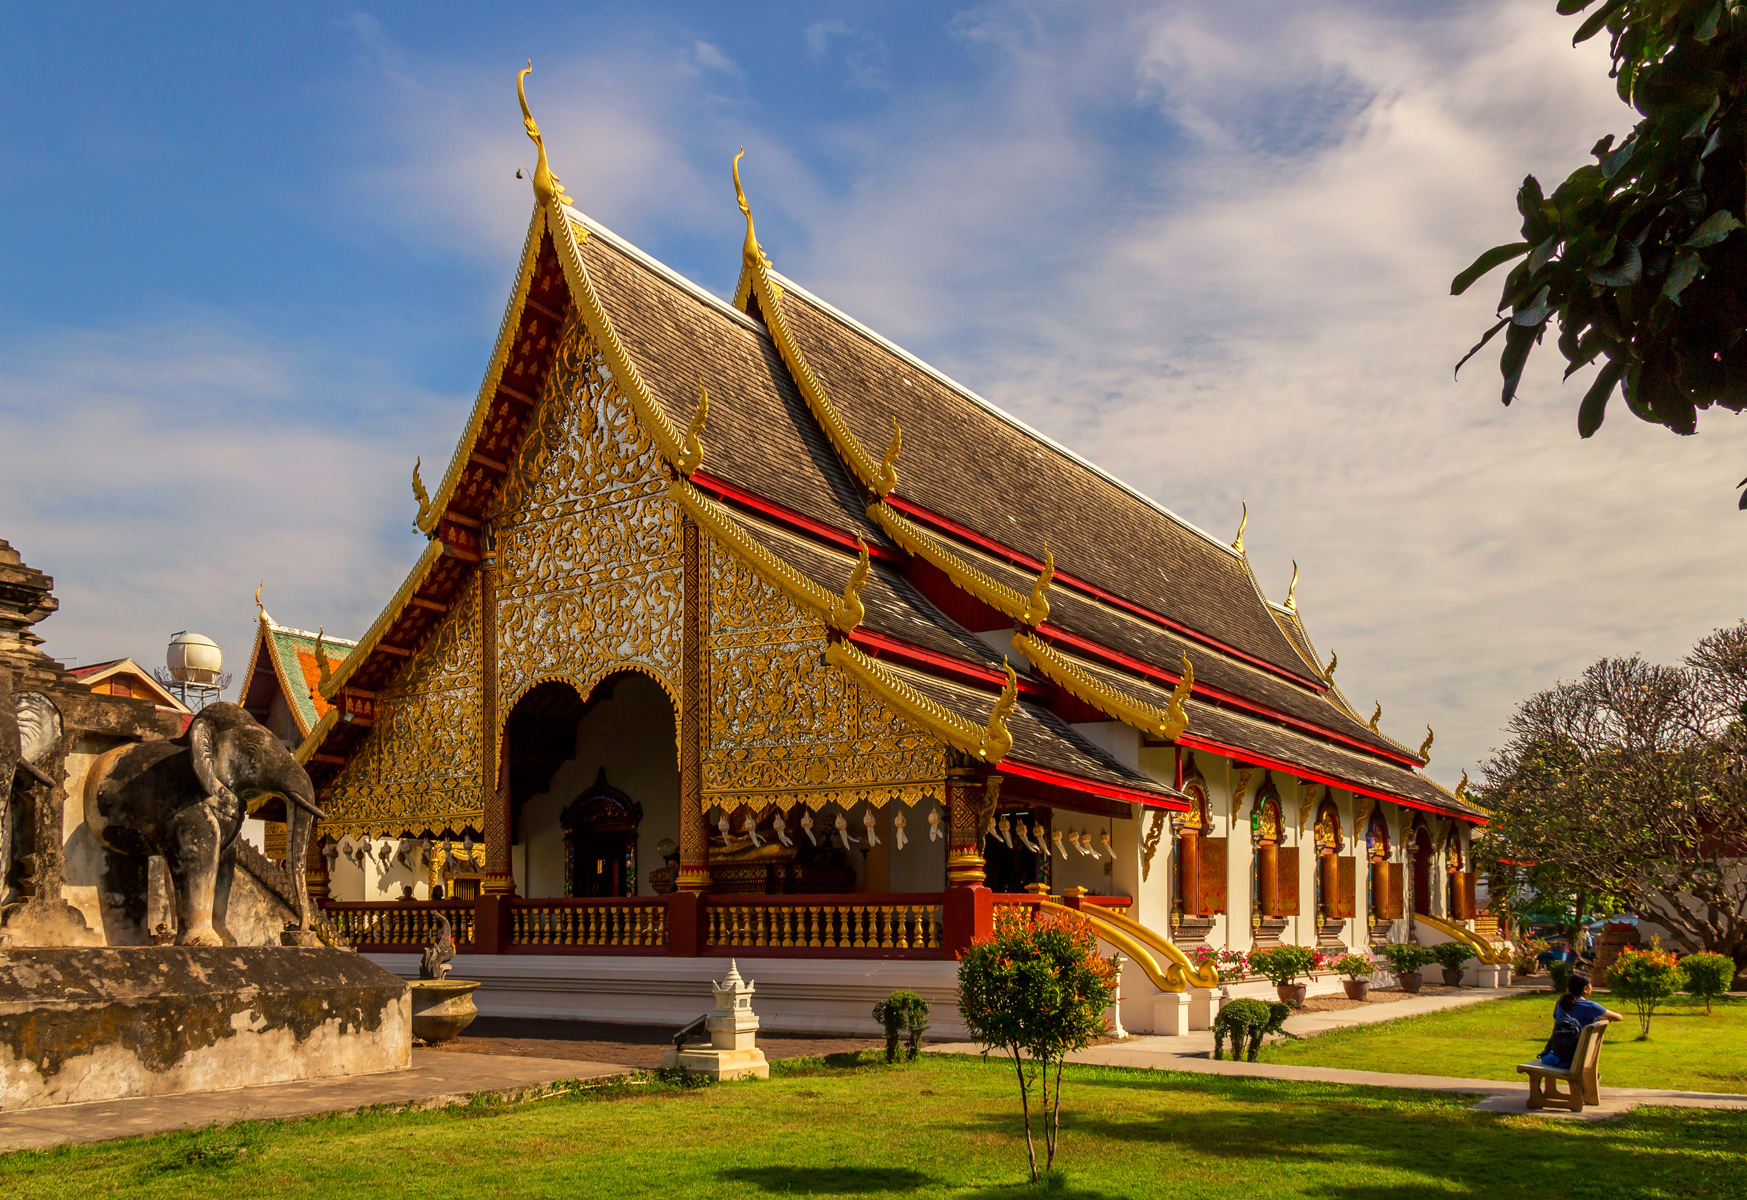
[{"x": 1571, "y": 1013}]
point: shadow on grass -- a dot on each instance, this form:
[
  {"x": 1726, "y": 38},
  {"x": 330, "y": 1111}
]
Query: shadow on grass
[{"x": 830, "y": 1181}]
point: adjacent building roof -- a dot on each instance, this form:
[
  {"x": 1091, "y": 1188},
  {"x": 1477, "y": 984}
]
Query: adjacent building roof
[
  {"x": 284, "y": 663},
  {"x": 125, "y": 677}
]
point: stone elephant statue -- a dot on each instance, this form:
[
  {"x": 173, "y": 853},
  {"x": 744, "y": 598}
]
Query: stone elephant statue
[
  {"x": 30, "y": 726},
  {"x": 186, "y": 799}
]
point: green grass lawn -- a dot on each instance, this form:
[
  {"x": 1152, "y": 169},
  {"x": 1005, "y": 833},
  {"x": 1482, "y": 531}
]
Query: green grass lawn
[
  {"x": 947, "y": 1126},
  {"x": 1687, "y": 1050}
]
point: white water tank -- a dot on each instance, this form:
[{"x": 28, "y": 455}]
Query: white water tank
[{"x": 193, "y": 658}]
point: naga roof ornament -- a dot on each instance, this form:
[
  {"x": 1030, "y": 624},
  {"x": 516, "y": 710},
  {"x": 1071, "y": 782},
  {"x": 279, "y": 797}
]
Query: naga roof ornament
[
  {"x": 546, "y": 185},
  {"x": 421, "y": 495},
  {"x": 1166, "y": 725},
  {"x": 1292, "y": 589},
  {"x": 1376, "y": 717},
  {"x": 1334, "y": 660},
  {"x": 1238, "y": 542},
  {"x": 1425, "y": 747}
]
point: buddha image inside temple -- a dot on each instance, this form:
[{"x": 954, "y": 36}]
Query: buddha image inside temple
[{"x": 740, "y": 631}]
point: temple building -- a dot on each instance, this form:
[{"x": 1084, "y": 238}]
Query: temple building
[{"x": 740, "y": 630}]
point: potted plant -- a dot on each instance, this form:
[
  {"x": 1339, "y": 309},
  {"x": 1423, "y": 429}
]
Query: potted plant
[
  {"x": 1452, "y": 956},
  {"x": 1406, "y": 959},
  {"x": 1527, "y": 959},
  {"x": 1281, "y": 965},
  {"x": 1355, "y": 971}
]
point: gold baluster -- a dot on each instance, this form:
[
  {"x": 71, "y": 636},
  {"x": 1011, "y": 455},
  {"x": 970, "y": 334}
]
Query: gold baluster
[
  {"x": 902, "y": 938},
  {"x": 855, "y": 926},
  {"x": 811, "y": 915},
  {"x": 886, "y": 911},
  {"x": 933, "y": 927},
  {"x": 761, "y": 930},
  {"x": 619, "y": 938}
]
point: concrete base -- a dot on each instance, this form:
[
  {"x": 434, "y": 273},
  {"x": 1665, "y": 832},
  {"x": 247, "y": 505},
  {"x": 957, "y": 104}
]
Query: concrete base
[
  {"x": 1171, "y": 1013},
  {"x": 795, "y": 995},
  {"x": 719, "y": 1064},
  {"x": 78, "y": 1025}
]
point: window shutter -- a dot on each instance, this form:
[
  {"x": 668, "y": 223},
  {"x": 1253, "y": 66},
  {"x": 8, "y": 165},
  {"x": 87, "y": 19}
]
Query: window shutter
[
  {"x": 1394, "y": 893},
  {"x": 1213, "y": 878},
  {"x": 1346, "y": 888},
  {"x": 1286, "y": 881},
  {"x": 1467, "y": 895}
]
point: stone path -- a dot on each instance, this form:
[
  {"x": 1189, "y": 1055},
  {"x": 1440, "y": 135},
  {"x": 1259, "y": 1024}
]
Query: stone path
[
  {"x": 435, "y": 1080},
  {"x": 1194, "y": 1053}
]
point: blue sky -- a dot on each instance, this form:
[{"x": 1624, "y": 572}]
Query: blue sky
[{"x": 255, "y": 255}]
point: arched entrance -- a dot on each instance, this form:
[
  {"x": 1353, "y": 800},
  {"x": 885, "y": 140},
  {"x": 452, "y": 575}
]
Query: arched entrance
[
  {"x": 1422, "y": 868},
  {"x": 592, "y": 779}
]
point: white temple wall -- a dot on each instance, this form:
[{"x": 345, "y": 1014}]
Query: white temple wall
[{"x": 1153, "y": 895}]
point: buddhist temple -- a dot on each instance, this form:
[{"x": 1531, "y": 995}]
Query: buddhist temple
[{"x": 739, "y": 630}]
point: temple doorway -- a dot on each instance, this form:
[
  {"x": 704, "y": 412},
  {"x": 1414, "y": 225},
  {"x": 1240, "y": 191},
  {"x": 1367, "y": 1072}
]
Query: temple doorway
[
  {"x": 1422, "y": 869},
  {"x": 594, "y": 786}
]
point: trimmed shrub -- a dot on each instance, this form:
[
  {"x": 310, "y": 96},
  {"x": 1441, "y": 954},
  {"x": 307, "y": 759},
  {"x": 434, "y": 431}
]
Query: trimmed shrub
[
  {"x": 1708, "y": 975},
  {"x": 1355, "y": 966},
  {"x": 1452, "y": 956},
  {"x": 1036, "y": 988},
  {"x": 1282, "y": 964},
  {"x": 902, "y": 1012},
  {"x": 1646, "y": 978},
  {"x": 1404, "y": 958}
]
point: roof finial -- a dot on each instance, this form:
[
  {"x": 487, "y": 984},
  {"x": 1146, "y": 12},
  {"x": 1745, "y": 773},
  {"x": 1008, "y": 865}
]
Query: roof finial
[
  {"x": 260, "y": 609},
  {"x": 997, "y": 738},
  {"x": 1292, "y": 589},
  {"x": 848, "y": 612},
  {"x": 1376, "y": 716},
  {"x": 752, "y": 252},
  {"x": 1334, "y": 660},
  {"x": 694, "y": 437},
  {"x": 546, "y": 185},
  {"x": 1176, "y": 715},
  {"x": 887, "y": 479},
  {"x": 421, "y": 495},
  {"x": 1462, "y": 788},
  {"x": 1037, "y": 607},
  {"x": 1425, "y": 747},
  {"x": 321, "y": 661},
  {"x": 1238, "y": 543}
]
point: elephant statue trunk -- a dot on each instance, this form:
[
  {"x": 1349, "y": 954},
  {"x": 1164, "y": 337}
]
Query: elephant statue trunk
[{"x": 186, "y": 799}]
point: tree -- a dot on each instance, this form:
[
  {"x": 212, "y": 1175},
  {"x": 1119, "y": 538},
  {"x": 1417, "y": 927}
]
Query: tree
[
  {"x": 1646, "y": 978},
  {"x": 1631, "y": 783},
  {"x": 1038, "y": 990},
  {"x": 1634, "y": 254}
]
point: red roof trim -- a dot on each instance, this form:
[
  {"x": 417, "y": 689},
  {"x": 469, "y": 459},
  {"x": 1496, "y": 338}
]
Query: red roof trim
[
  {"x": 1073, "y": 783},
  {"x": 1275, "y": 764},
  {"x": 877, "y": 645},
  {"x": 1057, "y": 634},
  {"x": 1013, "y": 556},
  {"x": 788, "y": 516}
]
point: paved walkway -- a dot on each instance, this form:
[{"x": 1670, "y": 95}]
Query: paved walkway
[
  {"x": 1194, "y": 1053},
  {"x": 435, "y": 1080}
]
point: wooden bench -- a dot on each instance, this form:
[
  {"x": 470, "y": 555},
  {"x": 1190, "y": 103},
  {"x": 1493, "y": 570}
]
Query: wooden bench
[{"x": 1581, "y": 1079}]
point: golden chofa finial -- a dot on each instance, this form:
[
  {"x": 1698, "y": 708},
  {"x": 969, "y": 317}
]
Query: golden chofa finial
[
  {"x": 260, "y": 609},
  {"x": 1462, "y": 788},
  {"x": 887, "y": 479},
  {"x": 1334, "y": 660},
  {"x": 1425, "y": 747},
  {"x": 1177, "y": 715},
  {"x": 1376, "y": 716},
  {"x": 1037, "y": 607},
  {"x": 1238, "y": 542},
  {"x": 752, "y": 252},
  {"x": 848, "y": 610},
  {"x": 546, "y": 185},
  {"x": 693, "y": 456},
  {"x": 421, "y": 495},
  {"x": 1292, "y": 589},
  {"x": 323, "y": 671}
]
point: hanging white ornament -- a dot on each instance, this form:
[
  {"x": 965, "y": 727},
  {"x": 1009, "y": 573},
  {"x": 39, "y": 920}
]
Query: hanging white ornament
[
  {"x": 750, "y": 828},
  {"x": 898, "y": 823},
  {"x": 1007, "y": 832},
  {"x": 867, "y": 819},
  {"x": 807, "y": 825},
  {"x": 1056, "y": 837},
  {"x": 934, "y": 831},
  {"x": 1024, "y": 836},
  {"x": 781, "y": 828},
  {"x": 1104, "y": 840},
  {"x": 843, "y": 832},
  {"x": 727, "y": 831}
]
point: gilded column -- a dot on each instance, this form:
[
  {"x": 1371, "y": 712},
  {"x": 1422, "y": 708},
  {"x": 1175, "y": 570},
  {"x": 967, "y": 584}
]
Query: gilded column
[
  {"x": 694, "y": 846},
  {"x": 965, "y": 805},
  {"x": 493, "y": 779}
]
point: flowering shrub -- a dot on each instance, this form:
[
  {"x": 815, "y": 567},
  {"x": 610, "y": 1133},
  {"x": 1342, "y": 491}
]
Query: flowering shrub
[
  {"x": 1232, "y": 965},
  {"x": 1527, "y": 958},
  {"x": 1646, "y": 978},
  {"x": 1354, "y": 966},
  {"x": 1406, "y": 958},
  {"x": 1036, "y": 988},
  {"x": 1708, "y": 975}
]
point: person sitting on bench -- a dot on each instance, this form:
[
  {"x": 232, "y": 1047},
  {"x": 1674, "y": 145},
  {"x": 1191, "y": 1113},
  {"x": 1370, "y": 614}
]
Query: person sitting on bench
[{"x": 1571, "y": 1012}]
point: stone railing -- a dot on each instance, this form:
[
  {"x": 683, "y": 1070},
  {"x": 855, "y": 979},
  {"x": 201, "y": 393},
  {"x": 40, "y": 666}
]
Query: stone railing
[
  {"x": 404, "y": 925},
  {"x": 885, "y": 926},
  {"x": 588, "y": 924}
]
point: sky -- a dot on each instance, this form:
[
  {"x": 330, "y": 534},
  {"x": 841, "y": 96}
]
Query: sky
[{"x": 255, "y": 257}]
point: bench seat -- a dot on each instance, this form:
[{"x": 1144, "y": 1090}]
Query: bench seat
[{"x": 1582, "y": 1078}]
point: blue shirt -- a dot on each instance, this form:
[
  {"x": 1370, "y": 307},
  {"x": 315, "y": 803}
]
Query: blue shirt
[{"x": 1568, "y": 1022}]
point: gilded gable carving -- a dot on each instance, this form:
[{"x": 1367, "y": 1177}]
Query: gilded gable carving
[
  {"x": 590, "y": 564},
  {"x": 784, "y": 727},
  {"x": 418, "y": 769}
]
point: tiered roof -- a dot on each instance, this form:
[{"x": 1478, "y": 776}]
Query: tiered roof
[
  {"x": 985, "y": 540},
  {"x": 287, "y": 662}
]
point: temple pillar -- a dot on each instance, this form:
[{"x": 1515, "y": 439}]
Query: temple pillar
[
  {"x": 499, "y": 878},
  {"x": 964, "y": 803},
  {"x": 694, "y": 839},
  {"x": 1189, "y": 871}
]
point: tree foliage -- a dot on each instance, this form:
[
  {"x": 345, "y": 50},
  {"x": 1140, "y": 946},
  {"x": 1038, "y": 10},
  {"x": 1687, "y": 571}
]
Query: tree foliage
[
  {"x": 1631, "y": 782},
  {"x": 1637, "y": 255},
  {"x": 1645, "y": 978},
  {"x": 1036, "y": 989}
]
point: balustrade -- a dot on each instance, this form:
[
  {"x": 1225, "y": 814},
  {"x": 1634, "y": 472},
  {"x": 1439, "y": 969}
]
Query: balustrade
[
  {"x": 826, "y": 924},
  {"x": 397, "y": 923},
  {"x": 586, "y": 923}
]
